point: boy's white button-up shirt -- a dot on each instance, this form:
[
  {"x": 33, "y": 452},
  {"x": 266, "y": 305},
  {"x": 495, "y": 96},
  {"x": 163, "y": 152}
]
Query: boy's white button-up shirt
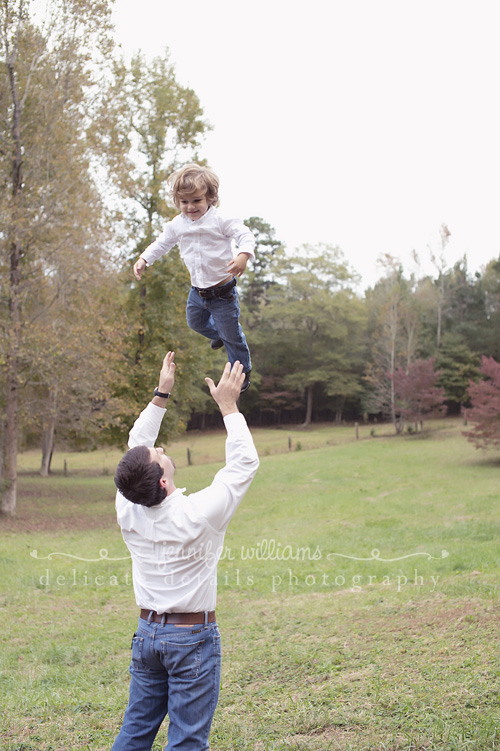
[
  {"x": 206, "y": 245},
  {"x": 175, "y": 546}
]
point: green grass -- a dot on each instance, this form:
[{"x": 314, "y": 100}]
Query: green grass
[
  {"x": 358, "y": 599},
  {"x": 206, "y": 446}
]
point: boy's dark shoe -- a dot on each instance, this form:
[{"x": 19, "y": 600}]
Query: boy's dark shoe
[
  {"x": 246, "y": 382},
  {"x": 216, "y": 343}
]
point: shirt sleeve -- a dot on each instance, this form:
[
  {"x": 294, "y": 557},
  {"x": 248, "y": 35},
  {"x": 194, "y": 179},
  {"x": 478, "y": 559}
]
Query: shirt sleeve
[
  {"x": 163, "y": 243},
  {"x": 218, "y": 502},
  {"x": 239, "y": 232},
  {"x": 144, "y": 433},
  {"x": 146, "y": 427}
]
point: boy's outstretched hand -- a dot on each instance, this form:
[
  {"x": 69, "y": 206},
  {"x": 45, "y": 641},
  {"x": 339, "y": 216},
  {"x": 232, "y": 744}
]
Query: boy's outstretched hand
[
  {"x": 238, "y": 264},
  {"x": 227, "y": 391},
  {"x": 139, "y": 267}
]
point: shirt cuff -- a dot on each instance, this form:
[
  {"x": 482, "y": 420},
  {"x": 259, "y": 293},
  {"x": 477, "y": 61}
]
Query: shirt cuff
[
  {"x": 248, "y": 249},
  {"x": 154, "y": 407},
  {"x": 234, "y": 422}
]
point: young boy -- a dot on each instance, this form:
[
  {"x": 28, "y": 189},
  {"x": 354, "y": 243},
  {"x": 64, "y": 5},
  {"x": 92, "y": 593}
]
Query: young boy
[{"x": 205, "y": 241}]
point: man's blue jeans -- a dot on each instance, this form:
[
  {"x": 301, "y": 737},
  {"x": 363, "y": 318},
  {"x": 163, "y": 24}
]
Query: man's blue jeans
[
  {"x": 218, "y": 318},
  {"x": 174, "y": 670}
]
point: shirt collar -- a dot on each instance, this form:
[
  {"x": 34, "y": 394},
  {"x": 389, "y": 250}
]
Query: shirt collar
[
  {"x": 177, "y": 492},
  {"x": 198, "y": 221}
]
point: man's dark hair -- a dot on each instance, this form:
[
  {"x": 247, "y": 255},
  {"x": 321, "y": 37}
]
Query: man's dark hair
[{"x": 138, "y": 478}]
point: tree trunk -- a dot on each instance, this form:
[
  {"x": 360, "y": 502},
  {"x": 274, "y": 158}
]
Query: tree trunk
[
  {"x": 445, "y": 236},
  {"x": 338, "y": 410},
  {"x": 438, "y": 333},
  {"x": 309, "y": 407},
  {"x": 9, "y": 495},
  {"x": 48, "y": 433},
  {"x": 47, "y": 447}
]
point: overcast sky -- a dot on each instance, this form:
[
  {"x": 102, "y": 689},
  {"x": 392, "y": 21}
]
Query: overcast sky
[{"x": 364, "y": 124}]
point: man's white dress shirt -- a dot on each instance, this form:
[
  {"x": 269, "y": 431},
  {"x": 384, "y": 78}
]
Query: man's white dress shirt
[
  {"x": 206, "y": 245},
  {"x": 175, "y": 546}
]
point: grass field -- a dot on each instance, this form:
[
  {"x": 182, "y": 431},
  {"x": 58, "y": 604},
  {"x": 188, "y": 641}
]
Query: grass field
[{"x": 358, "y": 598}]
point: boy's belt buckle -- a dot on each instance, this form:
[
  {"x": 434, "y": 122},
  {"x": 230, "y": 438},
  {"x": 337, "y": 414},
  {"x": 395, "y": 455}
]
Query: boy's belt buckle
[{"x": 205, "y": 293}]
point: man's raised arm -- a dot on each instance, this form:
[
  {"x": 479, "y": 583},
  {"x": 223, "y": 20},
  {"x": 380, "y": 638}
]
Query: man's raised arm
[
  {"x": 228, "y": 390},
  {"x": 146, "y": 427},
  {"x": 221, "y": 499}
]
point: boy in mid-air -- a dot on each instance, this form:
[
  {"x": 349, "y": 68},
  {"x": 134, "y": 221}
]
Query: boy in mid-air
[{"x": 205, "y": 240}]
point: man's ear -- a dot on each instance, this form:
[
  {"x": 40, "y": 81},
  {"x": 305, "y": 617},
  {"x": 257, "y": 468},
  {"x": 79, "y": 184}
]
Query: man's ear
[{"x": 163, "y": 482}]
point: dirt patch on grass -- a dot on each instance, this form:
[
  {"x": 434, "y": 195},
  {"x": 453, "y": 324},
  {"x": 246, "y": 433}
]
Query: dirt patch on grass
[
  {"x": 26, "y": 523},
  {"x": 57, "y": 515},
  {"x": 52, "y": 506},
  {"x": 342, "y": 737}
]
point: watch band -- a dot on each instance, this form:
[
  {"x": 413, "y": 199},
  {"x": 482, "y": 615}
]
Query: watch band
[{"x": 160, "y": 394}]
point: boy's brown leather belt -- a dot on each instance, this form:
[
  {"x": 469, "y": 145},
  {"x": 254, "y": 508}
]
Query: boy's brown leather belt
[
  {"x": 218, "y": 291},
  {"x": 186, "y": 618}
]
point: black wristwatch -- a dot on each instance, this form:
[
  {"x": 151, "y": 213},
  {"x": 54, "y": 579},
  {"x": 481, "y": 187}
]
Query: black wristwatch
[{"x": 159, "y": 393}]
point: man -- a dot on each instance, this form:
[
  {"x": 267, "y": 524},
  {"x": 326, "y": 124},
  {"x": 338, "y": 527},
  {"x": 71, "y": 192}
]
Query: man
[{"x": 175, "y": 541}]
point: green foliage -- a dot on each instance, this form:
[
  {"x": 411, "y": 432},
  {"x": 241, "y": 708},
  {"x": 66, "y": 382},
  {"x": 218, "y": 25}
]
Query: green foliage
[
  {"x": 52, "y": 217},
  {"x": 149, "y": 124},
  {"x": 458, "y": 365},
  {"x": 394, "y": 324},
  {"x": 152, "y": 122},
  {"x": 258, "y": 277},
  {"x": 80, "y": 341},
  {"x": 490, "y": 281},
  {"x": 155, "y": 309},
  {"x": 311, "y": 327}
]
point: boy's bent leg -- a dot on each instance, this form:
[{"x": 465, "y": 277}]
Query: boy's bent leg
[
  {"x": 226, "y": 315},
  {"x": 198, "y": 317},
  {"x": 148, "y": 701},
  {"x": 194, "y": 684}
]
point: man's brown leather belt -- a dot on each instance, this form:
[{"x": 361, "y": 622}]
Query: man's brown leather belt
[{"x": 179, "y": 618}]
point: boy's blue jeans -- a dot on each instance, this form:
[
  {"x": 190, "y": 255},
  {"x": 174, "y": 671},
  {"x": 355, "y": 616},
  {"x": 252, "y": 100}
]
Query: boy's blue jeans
[
  {"x": 174, "y": 670},
  {"x": 218, "y": 318}
]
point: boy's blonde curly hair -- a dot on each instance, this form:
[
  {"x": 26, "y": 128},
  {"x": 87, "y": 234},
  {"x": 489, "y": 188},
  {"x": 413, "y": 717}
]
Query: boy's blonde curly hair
[{"x": 192, "y": 178}]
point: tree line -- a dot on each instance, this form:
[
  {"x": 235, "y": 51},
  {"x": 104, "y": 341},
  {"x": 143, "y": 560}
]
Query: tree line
[{"x": 86, "y": 143}]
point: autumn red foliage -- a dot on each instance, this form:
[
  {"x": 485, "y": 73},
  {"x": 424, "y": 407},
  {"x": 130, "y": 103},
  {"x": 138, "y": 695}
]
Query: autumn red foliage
[
  {"x": 485, "y": 406},
  {"x": 417, "y": 394}
]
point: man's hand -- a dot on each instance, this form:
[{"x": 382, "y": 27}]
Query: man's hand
[
  {"x": 139, "y": 267},
  {"x": 166, "y": 380},
  {"x": 238, "y": 264},
  {"x": 227, "y": 391}
]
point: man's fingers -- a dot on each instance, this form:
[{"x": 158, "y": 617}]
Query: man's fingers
[
  {"x": 237, "y": 370},
  {"x": 232, "y": 376},
  {"x": 226, "y": 373}
]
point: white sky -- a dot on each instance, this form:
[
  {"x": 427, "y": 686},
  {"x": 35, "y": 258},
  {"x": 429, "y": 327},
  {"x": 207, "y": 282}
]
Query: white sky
[{"x": 359, "y": 123}]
